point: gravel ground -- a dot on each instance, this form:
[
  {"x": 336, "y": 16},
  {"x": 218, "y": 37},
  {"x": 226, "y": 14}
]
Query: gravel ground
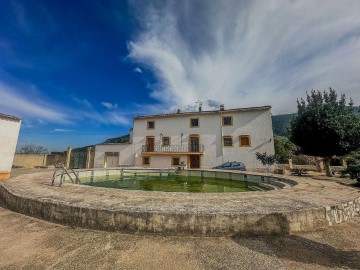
[{"x": 29, "y": 243}]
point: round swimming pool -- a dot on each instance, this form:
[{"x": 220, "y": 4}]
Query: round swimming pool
[
  {"x": 170, "y": 182},
  {"x": 193, "y": 181}
]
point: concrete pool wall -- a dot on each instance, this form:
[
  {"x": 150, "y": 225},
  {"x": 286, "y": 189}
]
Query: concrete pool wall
[{"x": 308, "y": 205}]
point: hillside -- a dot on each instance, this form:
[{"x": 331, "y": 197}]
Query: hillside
[
  {"x": 280, "y": 123},
  {"x": 121, "y": 139}
]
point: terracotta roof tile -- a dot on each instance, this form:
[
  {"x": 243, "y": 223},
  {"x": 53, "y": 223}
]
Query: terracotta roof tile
[{"x": 2, "y": 115}]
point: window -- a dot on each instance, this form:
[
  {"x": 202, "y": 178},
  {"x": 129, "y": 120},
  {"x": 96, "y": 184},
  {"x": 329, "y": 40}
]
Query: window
[
  {"x": 194, "y": 122},
  {"x": 175, "y": 161},
  {"x": 226, "y": 165},
  {"x": 166, "y": 141},
  {"x": 227, "y": 121},
  {"x": 146, "y": 160},
  {"x": 227, "y": 141},
  {"x": 244, "y": 141},
  {"x": 150, "y": 124}
]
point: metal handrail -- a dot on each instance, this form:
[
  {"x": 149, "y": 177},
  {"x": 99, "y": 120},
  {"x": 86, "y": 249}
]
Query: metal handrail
[
  {"x": 60, "y": 167},
  {"x": 194, "y": 148}
]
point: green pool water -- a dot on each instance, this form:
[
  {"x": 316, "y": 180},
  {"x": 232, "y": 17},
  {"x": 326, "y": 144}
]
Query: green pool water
[{"x": 172, "y": 183}]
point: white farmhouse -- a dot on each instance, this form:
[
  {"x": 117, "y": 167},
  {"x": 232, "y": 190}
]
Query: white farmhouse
[
  {"x": 9, "y": 132},
  {"x": 201, "y": 139}
]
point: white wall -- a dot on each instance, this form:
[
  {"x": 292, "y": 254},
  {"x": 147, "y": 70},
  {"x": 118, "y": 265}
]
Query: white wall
[
  {"x": 163, "y": 161},
  {"x": 9, "y": 132},
  {"x": 126, "y": 154},
  {"x": 257, "y": 124}
]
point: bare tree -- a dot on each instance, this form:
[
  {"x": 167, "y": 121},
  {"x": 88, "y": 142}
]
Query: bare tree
[{"x": 33, "y": 149}]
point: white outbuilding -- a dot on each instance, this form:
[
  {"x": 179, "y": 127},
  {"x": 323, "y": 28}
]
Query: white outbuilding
[{"x": 9, "y": 133}]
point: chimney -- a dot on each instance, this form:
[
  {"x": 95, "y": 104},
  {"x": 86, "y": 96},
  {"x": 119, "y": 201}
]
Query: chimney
[
  {"x": 222, "y": 107},
  {"x": 200, "y": 105}
]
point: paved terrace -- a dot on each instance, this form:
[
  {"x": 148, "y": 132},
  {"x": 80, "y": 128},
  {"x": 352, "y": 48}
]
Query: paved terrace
[{"x": 307, "y": 206}]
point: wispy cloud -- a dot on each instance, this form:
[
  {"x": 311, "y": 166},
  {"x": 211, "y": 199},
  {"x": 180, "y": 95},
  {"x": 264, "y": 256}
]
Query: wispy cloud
[
  {"x": 19, "y": 13},
  {"x": 62, "y": 130},
  {"x": 13, "y": 102},
  {"x": 248, "y": 53},
  {"x": 109, "y": 105},
  {"x": 115, "y": 118},
  {"x": 82, "y": 102},
  {"x": 36, "y": 111},
  {"x": 138, "y": 70}
]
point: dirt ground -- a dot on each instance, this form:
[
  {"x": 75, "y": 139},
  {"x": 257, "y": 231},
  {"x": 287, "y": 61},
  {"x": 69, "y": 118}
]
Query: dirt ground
[{"x": 29, "y": 243}]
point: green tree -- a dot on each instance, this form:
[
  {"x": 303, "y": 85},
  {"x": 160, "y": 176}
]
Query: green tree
[
  {"x": 353, "y": 166},
  {"x": 324, "y": 126},
  {"x": 265, "y": 159},
  {"x": 284, "y": 148}
]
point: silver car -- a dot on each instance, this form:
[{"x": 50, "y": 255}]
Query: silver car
[{"x": 231, "y": 166}]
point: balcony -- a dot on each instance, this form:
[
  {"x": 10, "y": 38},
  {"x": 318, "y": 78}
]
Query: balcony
[{"x": 169, "y": 149}]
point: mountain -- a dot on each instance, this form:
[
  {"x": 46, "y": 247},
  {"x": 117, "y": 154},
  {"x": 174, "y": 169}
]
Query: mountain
[
  {"x": 121, "y": 139},
  {"x": 280, "y": 123},
  {"x": 356, "y": 110}
]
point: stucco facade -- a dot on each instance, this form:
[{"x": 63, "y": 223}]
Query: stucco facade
[
  {"x": 123, "y": 152},
  {"x": 195, "y": 139},
  {"x": 9, "y": 132}
]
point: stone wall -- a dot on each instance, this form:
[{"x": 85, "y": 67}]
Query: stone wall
[
  {"x": 340, "y": 213},
  {"x": 173, "y": 223},
  {"x": 29, "y": 160},
  {"x": 37, "y": 160}
]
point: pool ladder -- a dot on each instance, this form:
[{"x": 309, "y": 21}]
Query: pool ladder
[{"x": 60, "y": 167}]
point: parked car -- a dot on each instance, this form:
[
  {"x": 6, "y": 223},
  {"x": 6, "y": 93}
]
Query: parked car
[{"x": 231, "y": 166}]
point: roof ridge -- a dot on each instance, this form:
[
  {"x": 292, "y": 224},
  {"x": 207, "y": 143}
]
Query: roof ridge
[{"x": 204, "y": 112}]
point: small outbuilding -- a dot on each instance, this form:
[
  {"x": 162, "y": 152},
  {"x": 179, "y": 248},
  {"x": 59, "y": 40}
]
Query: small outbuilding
[{"x": 9, "y": 133}]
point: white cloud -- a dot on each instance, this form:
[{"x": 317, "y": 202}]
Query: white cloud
[
  {"x": 82, "y": 102},
  {"x": 249, "y": 53},
  {"x": 109, "y": 105},
  {"x": 114, "y": 118},
  {"x": 41, "y": 122},
  {"x": 62, "y": 130},
  {"x": 138, "y": 70},
  {"x": 18, "y": 101},
  {"x": 12, "y": 102}
]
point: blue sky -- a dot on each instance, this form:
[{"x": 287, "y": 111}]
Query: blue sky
[{"x": 77, "y": 71}]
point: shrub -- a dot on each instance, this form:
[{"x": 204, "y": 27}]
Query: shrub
[
  {"x": 353, "y": 166},
  {"x": 299, "y": 171},
  {"x": 265, "y": 159}
]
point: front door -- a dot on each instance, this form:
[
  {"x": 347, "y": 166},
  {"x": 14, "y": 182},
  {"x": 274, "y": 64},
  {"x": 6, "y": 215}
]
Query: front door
[
  {"x": 194, "y": 143},
  {"x": 194, "y": 161},
  {"x": 150, "y": 141}
]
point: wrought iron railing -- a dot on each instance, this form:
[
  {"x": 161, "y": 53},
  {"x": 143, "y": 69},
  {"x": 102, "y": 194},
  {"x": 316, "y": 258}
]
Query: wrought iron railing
[{"x": 185, "y": 148}]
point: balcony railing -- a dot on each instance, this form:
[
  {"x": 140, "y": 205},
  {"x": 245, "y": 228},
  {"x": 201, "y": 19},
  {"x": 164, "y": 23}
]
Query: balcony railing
[{"x": 185, "y": 148}]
